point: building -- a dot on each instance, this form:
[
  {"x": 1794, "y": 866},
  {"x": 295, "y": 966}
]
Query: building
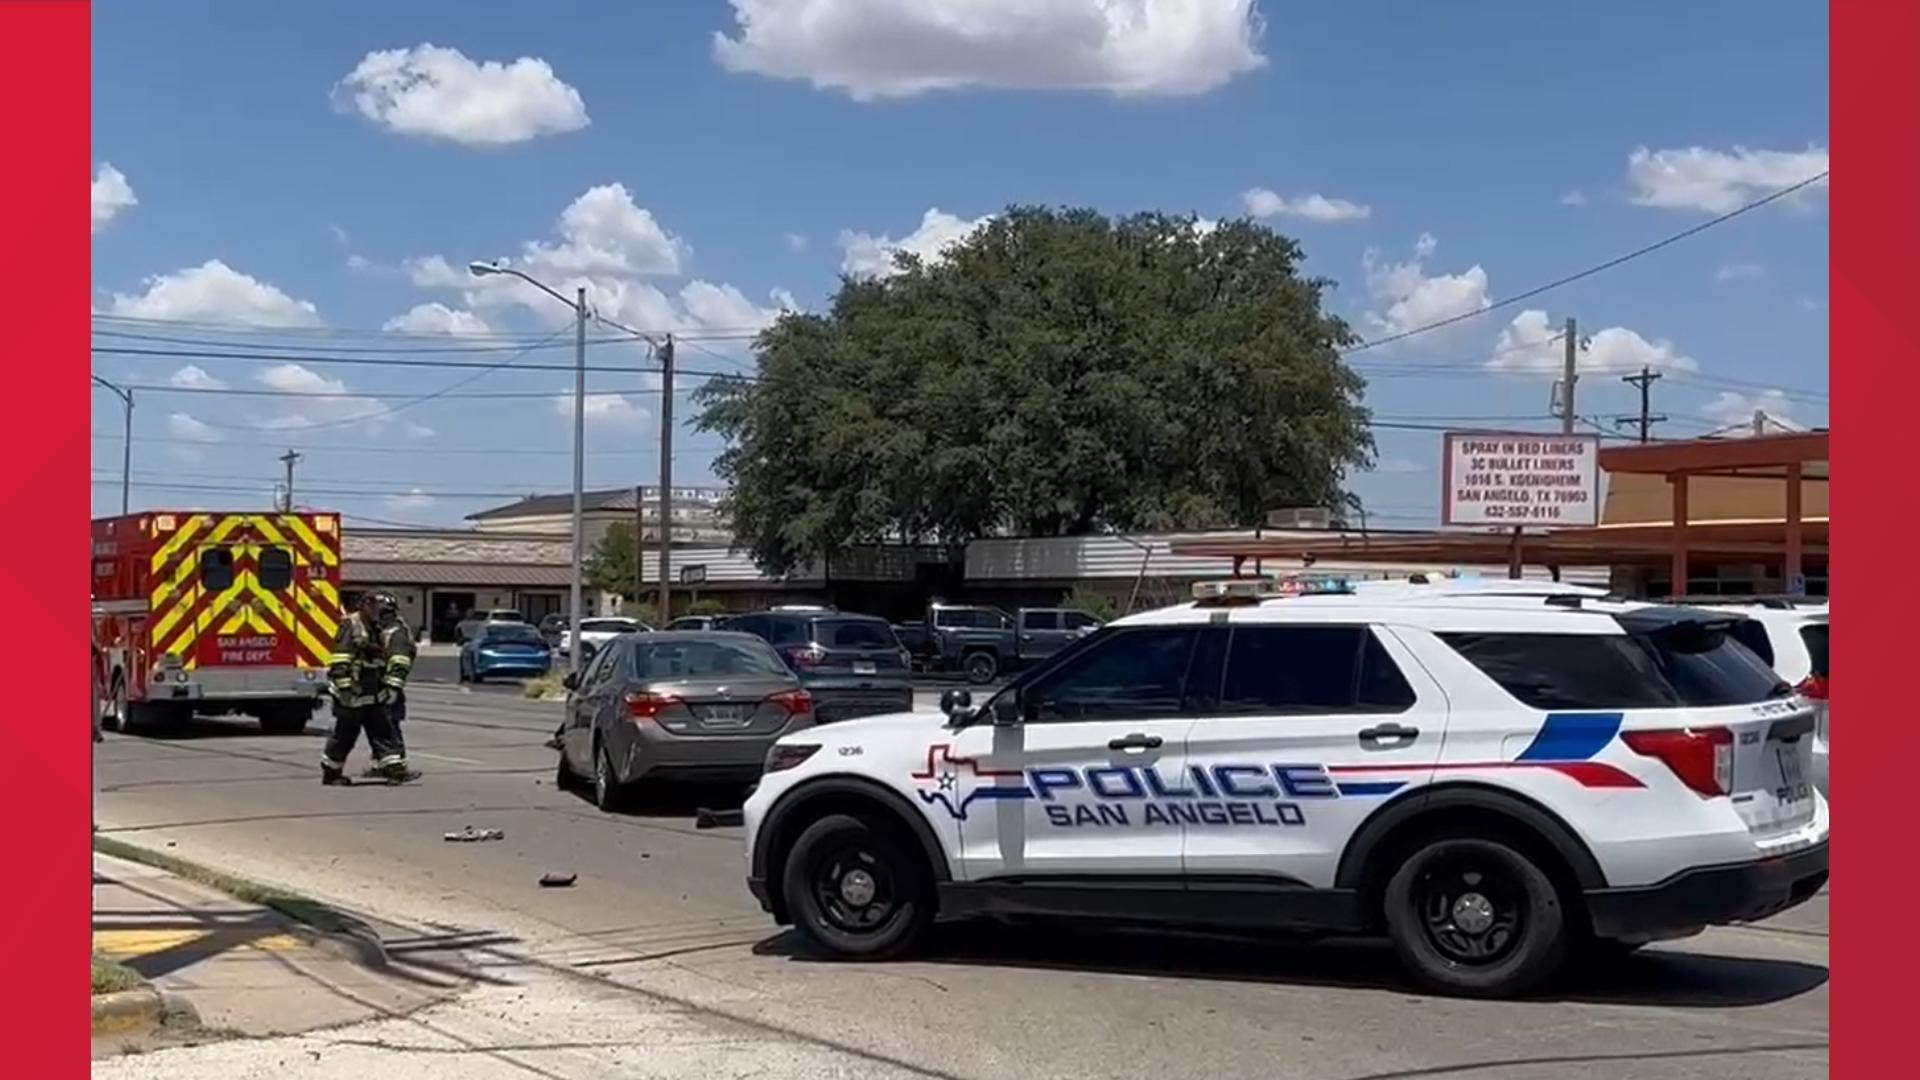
[{"x": 698, "y": 517}]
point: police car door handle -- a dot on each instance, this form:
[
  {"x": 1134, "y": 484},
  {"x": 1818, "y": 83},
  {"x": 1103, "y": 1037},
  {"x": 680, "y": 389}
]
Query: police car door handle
[
  {"x": 1136, "y": 742},
  {"x": 1388, "y": 737}
]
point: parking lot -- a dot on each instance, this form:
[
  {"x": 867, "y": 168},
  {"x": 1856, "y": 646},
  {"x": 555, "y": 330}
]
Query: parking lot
[{"x": 660, "y": 911}]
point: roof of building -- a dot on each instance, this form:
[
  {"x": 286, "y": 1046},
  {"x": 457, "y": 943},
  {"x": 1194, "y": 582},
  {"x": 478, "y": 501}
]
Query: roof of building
[
  {"x": 466, "y": 575},
  {"x": 603, "y": 500}
]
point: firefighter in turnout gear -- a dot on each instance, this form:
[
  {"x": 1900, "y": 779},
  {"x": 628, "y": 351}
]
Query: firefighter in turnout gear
[
  {"x": 396, "y": 642},
  {"x": 366, "y": 680}
]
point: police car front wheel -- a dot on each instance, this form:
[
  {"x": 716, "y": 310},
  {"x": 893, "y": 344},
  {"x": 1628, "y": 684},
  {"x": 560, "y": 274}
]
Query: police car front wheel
[
  {"x": 856, "y": 889},
  {"x": 1477, "y": 917}
]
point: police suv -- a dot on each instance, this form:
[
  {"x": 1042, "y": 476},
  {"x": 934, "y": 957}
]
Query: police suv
[{"x": 1496, "y": 780}]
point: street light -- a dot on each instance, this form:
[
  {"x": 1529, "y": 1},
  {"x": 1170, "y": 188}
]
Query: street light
[
  {"x": 126, "y": 450},
  {"x": 579, "y": 306}
]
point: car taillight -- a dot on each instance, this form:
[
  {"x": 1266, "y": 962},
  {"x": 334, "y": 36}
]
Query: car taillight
[
  {"x": 794, "y": 701},
  {"x": 644, "y": 707},
  {"x": 1813, "y": 688},
  {"x": 785, "y": 756},
  {"x": 804, "y": 656},
  {"x": 1701, "y": 757}
]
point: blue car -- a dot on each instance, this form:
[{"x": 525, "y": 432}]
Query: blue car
[{"x": 504, "y": 649}]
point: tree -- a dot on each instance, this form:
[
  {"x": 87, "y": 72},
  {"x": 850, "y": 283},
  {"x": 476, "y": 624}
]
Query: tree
[
  {"x": 609, "y": 566},
  {"x": 1055, "y": 373}
]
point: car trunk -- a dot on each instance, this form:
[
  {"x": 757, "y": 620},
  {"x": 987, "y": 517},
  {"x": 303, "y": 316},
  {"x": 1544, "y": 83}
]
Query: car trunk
[
  {"x": 746, "y": 706},
  {"x": 1738, "y": 729}
]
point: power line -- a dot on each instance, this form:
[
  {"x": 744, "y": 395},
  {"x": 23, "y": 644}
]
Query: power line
[
  {"x": 416, "y": 451},
  {"x": 1592, "y": 270},
  {"x": 710, "y": 333},
  {"x": 402, "y": 362},
  {"x": 336, "y": 395}
]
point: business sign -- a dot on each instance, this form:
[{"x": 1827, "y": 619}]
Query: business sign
[
  {"x": 694, "y": 575},
  {"x": 1506, "y": 479}
]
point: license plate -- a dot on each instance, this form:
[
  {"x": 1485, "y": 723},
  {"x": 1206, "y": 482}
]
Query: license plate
[
  {"x": 864, "y": 667},
  {"x": 729, "y": 715},
  {"x": 1793, "y": 784}
]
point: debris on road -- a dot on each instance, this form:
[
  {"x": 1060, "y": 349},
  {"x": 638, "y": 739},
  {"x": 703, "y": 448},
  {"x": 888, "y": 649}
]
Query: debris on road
[
  {"x": 557, "y": 881},
  {"x": 718, "y": 819},
  {"x": 471, "y": 835}
]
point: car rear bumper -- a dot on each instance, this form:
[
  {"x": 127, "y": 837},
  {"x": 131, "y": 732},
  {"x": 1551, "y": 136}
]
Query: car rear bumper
[{"x": 1709, "y": 896}]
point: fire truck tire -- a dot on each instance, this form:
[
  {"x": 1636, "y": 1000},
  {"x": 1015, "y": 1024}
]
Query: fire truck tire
[{"x": 285, "y": 719}]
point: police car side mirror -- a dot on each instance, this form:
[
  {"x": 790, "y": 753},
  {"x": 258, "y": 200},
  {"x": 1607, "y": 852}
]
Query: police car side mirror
[{"x": 954, "y": 703}]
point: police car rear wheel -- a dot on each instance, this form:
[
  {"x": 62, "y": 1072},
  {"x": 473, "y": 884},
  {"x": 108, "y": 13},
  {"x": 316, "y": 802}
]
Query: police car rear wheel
[
  {"x": 857, "y": 889},
  {"x": 1474, "y": 916}
]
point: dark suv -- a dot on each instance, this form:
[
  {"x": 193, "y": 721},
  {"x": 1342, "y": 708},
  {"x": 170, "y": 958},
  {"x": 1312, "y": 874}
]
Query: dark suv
[{"x": 851, "y": 664}]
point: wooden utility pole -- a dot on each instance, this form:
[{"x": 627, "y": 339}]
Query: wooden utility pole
[
  {"x": 1568, "y": 377},
  {"x": 289, "y": 459},
  {"x": 639, "y": 543},
  {"x": 1644, "y": 382},
  {"x": 666, "y": 482}
]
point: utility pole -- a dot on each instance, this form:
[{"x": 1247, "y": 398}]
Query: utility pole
[
  {"x": 666, "y": 482},
  {"x": 639, "y": 543},
  {"x": 1644, "y": 382},
  {"x": 288, "y": 458},
  {"x": 1568, "y": 377},
  {"x": 574, "y": 644}
]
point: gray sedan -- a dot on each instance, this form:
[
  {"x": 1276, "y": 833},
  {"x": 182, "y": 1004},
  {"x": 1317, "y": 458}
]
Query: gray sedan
[{"x": 698, "y": 705}]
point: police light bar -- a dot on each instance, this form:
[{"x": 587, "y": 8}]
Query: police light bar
[{"x": 1254, "y": 590}]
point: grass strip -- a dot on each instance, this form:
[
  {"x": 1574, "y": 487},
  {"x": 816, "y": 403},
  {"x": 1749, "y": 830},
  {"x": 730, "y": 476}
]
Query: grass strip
[{"x": 111, "y": 978}]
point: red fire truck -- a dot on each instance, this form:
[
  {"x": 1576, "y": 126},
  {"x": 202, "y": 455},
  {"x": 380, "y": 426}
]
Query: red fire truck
[{"x": 216, "y": 612}]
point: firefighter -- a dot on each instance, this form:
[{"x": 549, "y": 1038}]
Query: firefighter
[
  {"x": 364, "y": 684},
  {"x": 396, "y": 641}
]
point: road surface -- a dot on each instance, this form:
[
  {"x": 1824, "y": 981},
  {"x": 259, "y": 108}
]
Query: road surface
[{"x": 660, "y": 922}]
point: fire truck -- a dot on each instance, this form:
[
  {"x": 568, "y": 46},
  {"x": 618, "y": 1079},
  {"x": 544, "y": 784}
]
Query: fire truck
[{"x": 215, "y": 613}]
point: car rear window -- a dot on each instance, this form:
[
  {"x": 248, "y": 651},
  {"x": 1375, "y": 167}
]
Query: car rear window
[
  {"x": 704, "y": 659},
  {"x": 597, "y": 625},
  {"x": 1684, "y": 665},
  {"x": 513, "y": 632},
  {"x": 854, "y": 634},
  {"x": 1815, "y": 635}
]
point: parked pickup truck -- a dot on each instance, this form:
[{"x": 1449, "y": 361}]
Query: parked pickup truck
[{"x": 985, "y": 642}]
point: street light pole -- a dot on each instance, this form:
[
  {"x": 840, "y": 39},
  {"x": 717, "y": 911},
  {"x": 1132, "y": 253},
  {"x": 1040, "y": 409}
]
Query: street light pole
[
  {"x": 579, "y": 306},
  {"x": 126, "y": 447}
]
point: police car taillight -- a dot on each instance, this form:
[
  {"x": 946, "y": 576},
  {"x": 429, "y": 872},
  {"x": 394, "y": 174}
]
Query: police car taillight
[
  {"x": 785, "y": 756},
  {"x": 1701, "y": 757},
  {"x": 1813, "y": 688}
]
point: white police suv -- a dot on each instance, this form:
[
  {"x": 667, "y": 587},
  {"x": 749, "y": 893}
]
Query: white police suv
[{"x": 1496, "y": 781}]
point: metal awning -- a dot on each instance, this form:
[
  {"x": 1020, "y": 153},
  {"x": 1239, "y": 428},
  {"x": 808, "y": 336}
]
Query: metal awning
[{"x": 464, "y": 575}]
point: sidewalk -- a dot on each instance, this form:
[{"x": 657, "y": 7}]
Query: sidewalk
[{"x": 243, "y": 969}]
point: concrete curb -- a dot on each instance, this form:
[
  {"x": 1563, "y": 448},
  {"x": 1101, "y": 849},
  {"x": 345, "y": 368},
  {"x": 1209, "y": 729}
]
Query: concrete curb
[
  {"x": 357, "y": 942},
  {"x": 141, "y": 1011}
]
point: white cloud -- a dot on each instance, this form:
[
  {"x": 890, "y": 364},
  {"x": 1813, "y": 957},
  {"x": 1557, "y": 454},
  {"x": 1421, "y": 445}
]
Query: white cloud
[
  {"x": 1264, "y": 203},
  {"x": 215, "y": 292},
  {"x": 339, "y": 234},
  {"x": 111, "y": 195},
  {"x": 184, "y": 426},
  {"x": 1729, "y": 407},
  {"x": 437, "y": 319},
  {"x": 435, "y": 272},
  {"x": 418, "y": 431},
  {"x": 412, "y": 500},
  {"x": 326, "y": 400},
  {"x": 1738, "y": 271},
  {"x": 603, "y": 410},
  {"x": 1533, "y": 344},
  {"x": 874, "y": 49},
  {"x": 723, "y": 307},
  {"x": 796, "y": 242},
  {"x": 1716, "y": 181},
  {"x": 1808, "y": 303},
  {"x": 1576, "y": 197},
  {"x": 437, "y": 93},
  {"x": 193, "y": 377},
  {"x": 1406, "y": 297},
  {"x": 866, "y": 255},
  {"x": 603, "y": 232}
]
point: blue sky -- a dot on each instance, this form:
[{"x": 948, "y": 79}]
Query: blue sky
[{"x": 289, "y": 172}]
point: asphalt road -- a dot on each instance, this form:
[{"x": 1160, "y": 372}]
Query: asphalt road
[{"x": 660, "y": 914}]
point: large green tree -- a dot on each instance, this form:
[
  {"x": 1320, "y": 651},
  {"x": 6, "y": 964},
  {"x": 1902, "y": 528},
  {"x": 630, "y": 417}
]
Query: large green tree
[{"x": 1057, "y": 372}]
